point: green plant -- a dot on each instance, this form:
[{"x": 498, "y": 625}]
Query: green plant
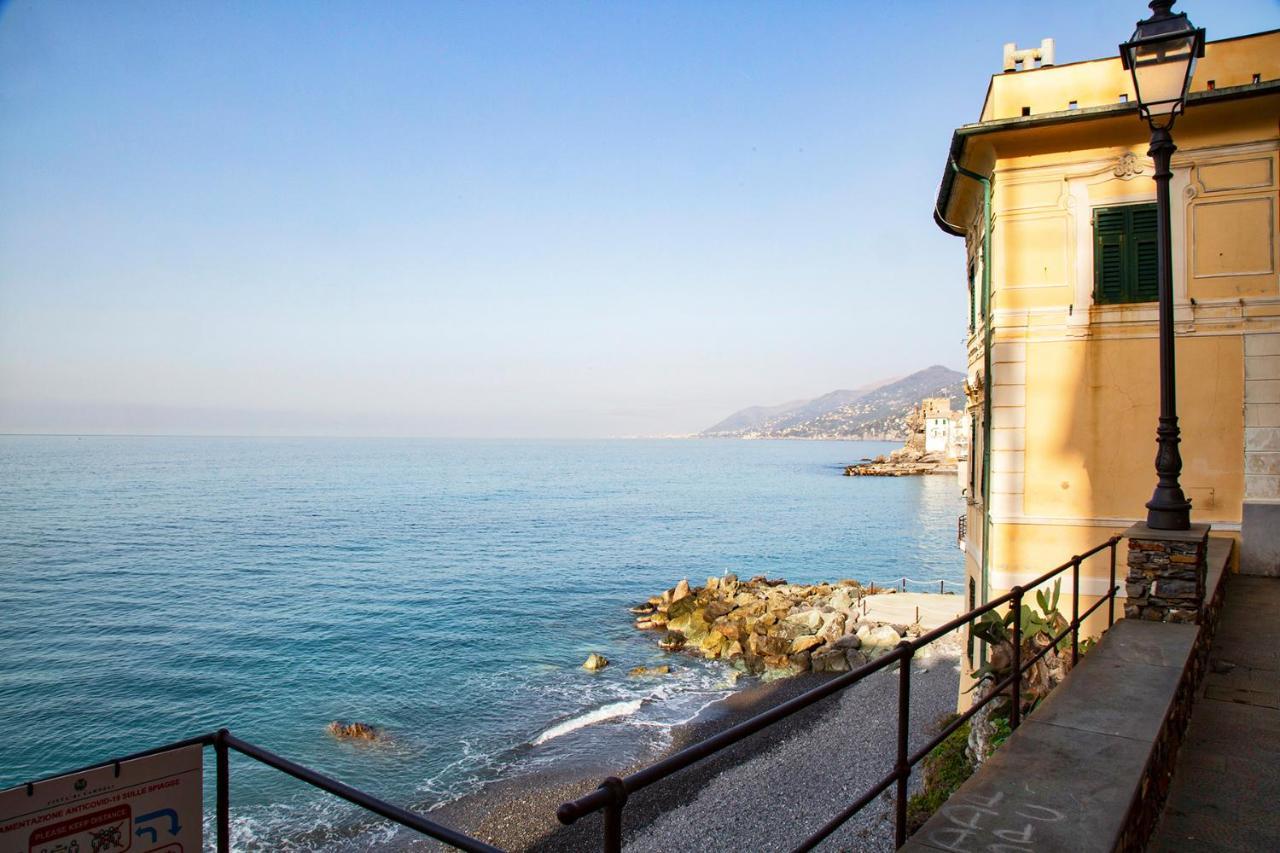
[
  {"x": 943, "y": 770},
  {"x": 1000, "y": 731},
  {"x": 1037, "y": 629}
]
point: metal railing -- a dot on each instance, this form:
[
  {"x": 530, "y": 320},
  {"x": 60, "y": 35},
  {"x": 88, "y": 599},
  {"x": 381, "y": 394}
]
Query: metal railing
[
  {"x": 223, "y": 743},
  {"x": 901, "y": 583},
  {"x": 962, "y": 529},
  {"x": 611, "y": 796}
]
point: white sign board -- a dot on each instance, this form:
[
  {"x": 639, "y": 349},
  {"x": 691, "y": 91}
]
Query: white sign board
[{"x": 152, "y": 805}]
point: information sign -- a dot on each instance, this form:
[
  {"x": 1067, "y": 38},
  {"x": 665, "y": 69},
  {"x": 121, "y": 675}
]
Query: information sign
[{"x": 147, "y": 805}]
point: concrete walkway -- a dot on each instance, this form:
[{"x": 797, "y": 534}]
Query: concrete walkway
[
  {"x": 1225, "y": 785},
  {"x": 930, "y": 609}
]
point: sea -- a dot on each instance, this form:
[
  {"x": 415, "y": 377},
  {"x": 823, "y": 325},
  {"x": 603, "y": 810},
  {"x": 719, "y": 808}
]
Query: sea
[{"x": 446, "y": 592}]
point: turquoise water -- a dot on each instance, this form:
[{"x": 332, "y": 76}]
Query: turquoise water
[{"x": 446, "y": 591}]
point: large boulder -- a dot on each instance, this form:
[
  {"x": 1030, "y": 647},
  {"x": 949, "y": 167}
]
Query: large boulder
[
  {"x": 765, "y": 646},
  {"x": 808, "y": 621},
  {"x": 673, "y": 641},
  {"x": 713, "y": 644},
  {"x": 841, "y": 599},
  {"x": 832, "y": 626},
  {"x": 882, "y": 637},
  {"x": 595, "y": 662},
  {"x": 804, "y": 643},
  {"x": 829, "y": 660},
  {"x": 681, "y": 590}
]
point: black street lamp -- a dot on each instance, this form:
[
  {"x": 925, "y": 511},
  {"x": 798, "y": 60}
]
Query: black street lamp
[{"x": 1162, "y": 55}]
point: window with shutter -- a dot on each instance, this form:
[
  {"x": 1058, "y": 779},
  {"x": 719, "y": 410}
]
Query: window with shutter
[{"x": 1124, "y": 254}]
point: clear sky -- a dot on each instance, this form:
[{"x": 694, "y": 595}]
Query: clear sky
[{"x": 487, "y": 219}]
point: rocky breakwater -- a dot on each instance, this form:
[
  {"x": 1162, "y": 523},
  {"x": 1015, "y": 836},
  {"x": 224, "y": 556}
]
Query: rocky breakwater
[
  {"x": 902, "y": 463},
  {"x": 770, "y": 627},
  {"x": 913, "y": 457}
]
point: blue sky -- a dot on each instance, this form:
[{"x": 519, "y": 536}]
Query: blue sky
[{"x": 486, "y": 219}]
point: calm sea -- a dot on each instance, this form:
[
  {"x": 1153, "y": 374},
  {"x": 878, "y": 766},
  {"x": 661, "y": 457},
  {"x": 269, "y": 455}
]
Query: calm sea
[{"x": 445, "y": 591}]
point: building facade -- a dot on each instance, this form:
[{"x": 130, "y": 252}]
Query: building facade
[{"x": 1052, "y": 192}]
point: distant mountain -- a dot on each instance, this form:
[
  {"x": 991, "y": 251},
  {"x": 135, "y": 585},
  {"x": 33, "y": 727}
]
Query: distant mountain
[{"x": 874, "y": 412}]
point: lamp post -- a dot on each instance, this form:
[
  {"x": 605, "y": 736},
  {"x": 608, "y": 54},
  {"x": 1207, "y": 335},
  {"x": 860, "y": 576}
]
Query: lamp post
[{"x": 1162, "y": 55}]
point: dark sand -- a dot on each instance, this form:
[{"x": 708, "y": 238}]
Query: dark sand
[
  {"x": 764, "y": 793},
  {"x": 520, "y": 813}
]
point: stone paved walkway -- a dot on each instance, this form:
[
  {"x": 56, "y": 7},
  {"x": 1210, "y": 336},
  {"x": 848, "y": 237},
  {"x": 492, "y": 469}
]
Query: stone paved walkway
[{"x": 1226, "y": 785}]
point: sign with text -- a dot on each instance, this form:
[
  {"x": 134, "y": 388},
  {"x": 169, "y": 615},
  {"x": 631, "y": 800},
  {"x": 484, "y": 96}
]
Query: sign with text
[{"x": 151, "y": 805}]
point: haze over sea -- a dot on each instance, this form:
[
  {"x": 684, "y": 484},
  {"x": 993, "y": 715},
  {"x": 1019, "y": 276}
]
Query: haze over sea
[{"x": 446, "y": 591}]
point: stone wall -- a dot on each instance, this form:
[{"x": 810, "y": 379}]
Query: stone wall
[
  {"x": 1145, "y": 809},
  {"x": 1166, "y": 573}
]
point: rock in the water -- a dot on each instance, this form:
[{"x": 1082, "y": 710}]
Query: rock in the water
[
  {"x": 643, "y": 671},
  {"x": 681, "y": 590},
  {"x": 672, "y": 641},
  {"x": 353, "y": 731},
  {"x": 595, "y": 662},
  {"x": 643, "y": 609}
]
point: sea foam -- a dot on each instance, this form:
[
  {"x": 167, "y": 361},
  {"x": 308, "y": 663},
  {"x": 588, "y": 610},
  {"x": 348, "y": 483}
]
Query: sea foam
[{"x": 606, "y": 712}]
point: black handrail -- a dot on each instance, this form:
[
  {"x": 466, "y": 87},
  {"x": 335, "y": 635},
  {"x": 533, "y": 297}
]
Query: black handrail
[
  {"x": 223, "y": 742},
  {"x": 612, "y": 794}
]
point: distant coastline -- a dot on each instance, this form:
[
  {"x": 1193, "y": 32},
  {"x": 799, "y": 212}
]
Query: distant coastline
[{"x": 872, "y": 413}]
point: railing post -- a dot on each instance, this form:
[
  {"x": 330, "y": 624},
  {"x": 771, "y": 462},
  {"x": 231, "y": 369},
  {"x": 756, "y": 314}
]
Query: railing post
[
  {"x": 223, "y": 785},
  {"x": 906, "y": 651},
  {"x": 1111, "y": 600},
  {"x": 613, "y": 814},
  {"x": 1075, "y": 610},
  {"x": 942, "y": 587},
  {"x": 1015, "y": 687}
]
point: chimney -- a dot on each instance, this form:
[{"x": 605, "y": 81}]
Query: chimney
[{"x": 1031, "y": 57}]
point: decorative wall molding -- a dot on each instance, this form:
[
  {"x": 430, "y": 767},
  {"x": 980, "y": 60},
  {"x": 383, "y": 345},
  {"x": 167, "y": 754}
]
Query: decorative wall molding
[{"x": 1127, "y": 166}]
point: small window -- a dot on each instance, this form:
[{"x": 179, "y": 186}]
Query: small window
[
  {"x": 1026, "y": 111},
  {"x": 1211, "y": 85},
  {"x": 1257, "y": 78},
  {"x": 1124, "y": 254},
  {"x": 1073, "y": 105},
  {"x": 1124, "y": 97}
]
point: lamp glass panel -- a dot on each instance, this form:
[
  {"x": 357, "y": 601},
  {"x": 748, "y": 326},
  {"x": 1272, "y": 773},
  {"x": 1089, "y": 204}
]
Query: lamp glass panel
[{"x": 1161, "y": 71}]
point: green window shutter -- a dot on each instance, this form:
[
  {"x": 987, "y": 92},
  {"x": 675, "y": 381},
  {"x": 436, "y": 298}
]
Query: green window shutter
[
  {"x": 1109, "y": 255},
  {"x": 1124, "y": 254},
  {"x": 1146, "y": 282}
]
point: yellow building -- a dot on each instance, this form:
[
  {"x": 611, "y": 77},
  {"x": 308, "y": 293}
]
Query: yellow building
[{"x": 1052, "y": 191}]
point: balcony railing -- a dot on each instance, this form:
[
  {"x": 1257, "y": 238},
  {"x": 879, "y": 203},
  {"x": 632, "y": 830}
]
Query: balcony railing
[
  {"x": 962, "y": 531},
  {"x": 611, "y": 796},
  {"x": 223, "y": 742}
]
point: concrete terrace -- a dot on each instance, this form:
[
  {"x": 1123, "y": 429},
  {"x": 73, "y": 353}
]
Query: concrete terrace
[
  {"x": 1087, "y": 770},
  {"x": 1225, "y": 784}
]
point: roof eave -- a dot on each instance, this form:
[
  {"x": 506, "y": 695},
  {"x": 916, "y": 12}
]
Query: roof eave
[{"x": 961, "y": 135}]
